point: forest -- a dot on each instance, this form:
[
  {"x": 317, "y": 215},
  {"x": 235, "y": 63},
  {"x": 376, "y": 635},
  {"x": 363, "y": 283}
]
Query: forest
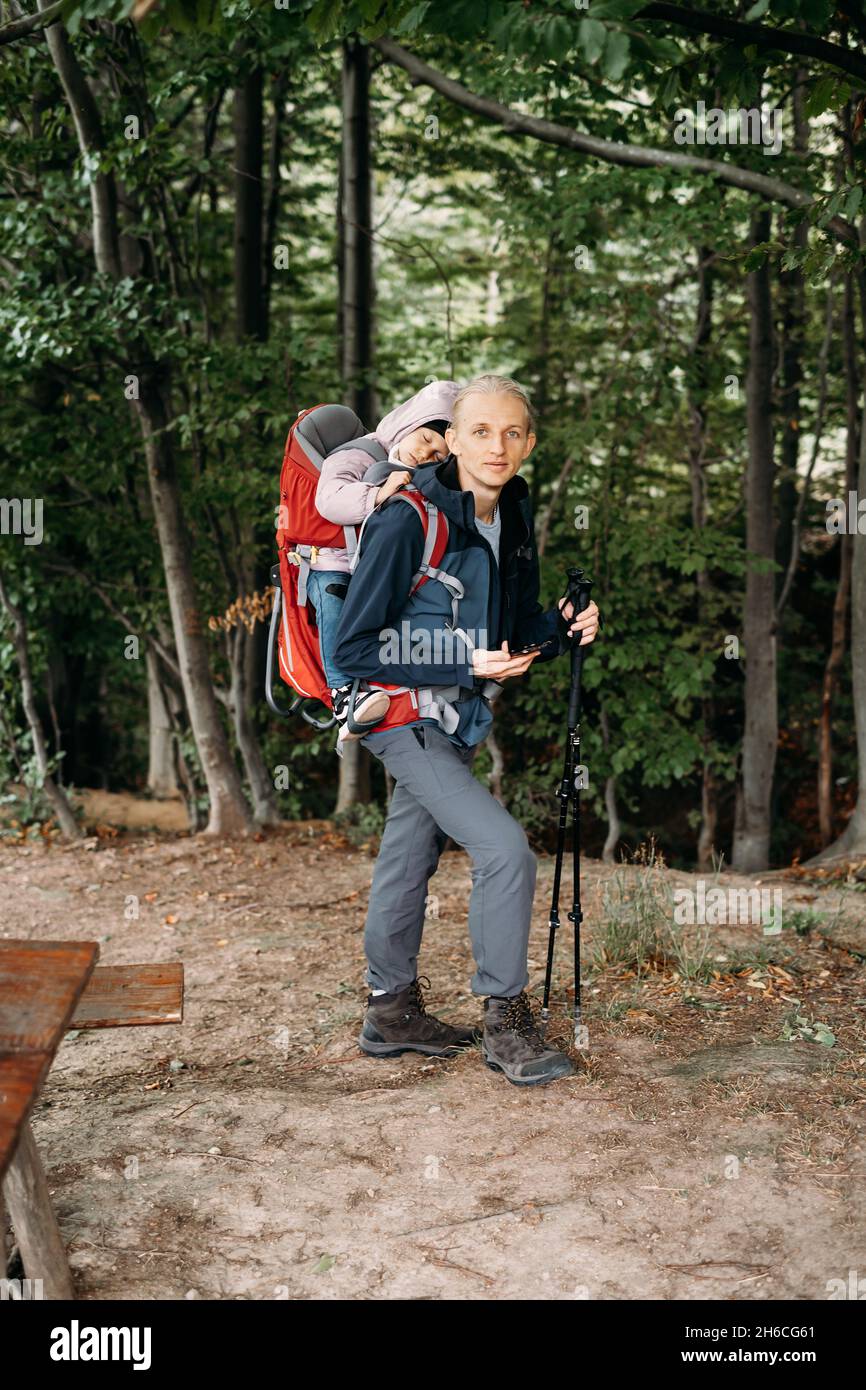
[
  {"x": 214, "y": 216},
  {"x": 234, "y": 236}
]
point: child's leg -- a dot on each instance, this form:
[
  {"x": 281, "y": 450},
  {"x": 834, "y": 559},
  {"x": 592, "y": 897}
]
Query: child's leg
[
  {"x": 369, "y": 707},
  {"x": 328, "y": 609}
]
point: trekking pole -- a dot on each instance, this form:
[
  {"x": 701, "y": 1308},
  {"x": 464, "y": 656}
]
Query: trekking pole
[{"x": 578, "y": 594}]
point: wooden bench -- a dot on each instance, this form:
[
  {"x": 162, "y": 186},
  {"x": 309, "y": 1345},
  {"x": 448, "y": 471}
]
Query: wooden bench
[{"x": 45, "y": 988}]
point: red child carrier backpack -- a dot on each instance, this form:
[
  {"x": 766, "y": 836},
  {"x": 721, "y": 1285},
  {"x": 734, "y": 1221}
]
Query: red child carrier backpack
[{"x": 301, "y": 532}]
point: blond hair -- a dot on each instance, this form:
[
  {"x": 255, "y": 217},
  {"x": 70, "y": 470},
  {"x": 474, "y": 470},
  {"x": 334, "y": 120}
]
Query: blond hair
[{"x": 492, "y": 385}]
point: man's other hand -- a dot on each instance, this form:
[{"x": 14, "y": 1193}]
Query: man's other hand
[{"x": 498, "y": 666}]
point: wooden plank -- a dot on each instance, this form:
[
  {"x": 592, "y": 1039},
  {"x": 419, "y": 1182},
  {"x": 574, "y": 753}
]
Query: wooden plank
[
  {"x": 21, "y": 1077},
  {"x": 118, "y": 996},
  {"x": 40, "y": 983},
  {"x": 43, "y": 1253},
  {"x": 5, "y": 1251}
]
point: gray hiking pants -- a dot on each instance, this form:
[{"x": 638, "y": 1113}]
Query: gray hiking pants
[{"x": 436, "y": 795}]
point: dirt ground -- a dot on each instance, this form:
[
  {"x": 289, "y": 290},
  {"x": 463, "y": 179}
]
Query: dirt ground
[{"x": 253, "y": 1152}]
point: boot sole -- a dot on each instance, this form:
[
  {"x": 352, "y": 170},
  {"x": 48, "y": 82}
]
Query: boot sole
[
  {"x": 373, "y": 1049},
  {"x": 526, "y": 1080},
  {"x": 371, "y": 713}
]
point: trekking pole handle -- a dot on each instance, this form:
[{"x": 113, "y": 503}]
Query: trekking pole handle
[{"x": 578, "y": 595}]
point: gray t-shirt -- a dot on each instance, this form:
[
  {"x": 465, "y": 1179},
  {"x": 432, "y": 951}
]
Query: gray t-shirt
[{"x": 491, "y": 531}]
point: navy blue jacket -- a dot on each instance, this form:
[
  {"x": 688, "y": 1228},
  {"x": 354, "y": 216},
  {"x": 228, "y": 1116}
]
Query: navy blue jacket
[{"x": 391, "y": 551}]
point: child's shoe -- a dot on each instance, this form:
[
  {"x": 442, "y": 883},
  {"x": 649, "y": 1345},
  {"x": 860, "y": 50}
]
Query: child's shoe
[{"x": 371, "y": 706}]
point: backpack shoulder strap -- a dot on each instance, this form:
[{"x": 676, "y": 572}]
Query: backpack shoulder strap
[
  {"x": 418, "y": 505},
  {"x": 435, "y": 525}
]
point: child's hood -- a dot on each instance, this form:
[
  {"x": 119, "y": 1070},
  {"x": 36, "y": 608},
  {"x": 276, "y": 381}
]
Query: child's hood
[{"x": 433, "y": 402}]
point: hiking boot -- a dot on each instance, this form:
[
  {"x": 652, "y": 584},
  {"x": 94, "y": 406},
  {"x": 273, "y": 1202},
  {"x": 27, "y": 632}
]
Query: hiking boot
[
  {"x": 371, "y": 706},
  {"x": 512, "y": 1044},
  {"x": 399, "y": 1022}
]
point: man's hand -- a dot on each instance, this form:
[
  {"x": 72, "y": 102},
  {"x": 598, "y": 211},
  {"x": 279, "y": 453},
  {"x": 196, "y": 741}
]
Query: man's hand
[
  {"x": 392, "y": 484},
  {"x": 498, "y": 666},
  {"x": 586, "y": 622}
]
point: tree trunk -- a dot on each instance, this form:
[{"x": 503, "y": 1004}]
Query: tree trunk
[
  {"x": 698, "y": 387},
  {"x": 354, "y": 775},
  {"x": 498, "y": 768},
  {"x": 273, "y": 201},
  {"x": 611, "y": 839},
  {"x": 184, "y": 775},
  {"x": 840, "y": 603},
  {"x": 65, "y": 816},
  {"x": 252, "y": 284},
  {"x": 792, "y": 299},
  {"x": 357, "y": 295},
  {"x": 265, "y": 809},
  {"x": 229, "y": 812},
  {"x": 752, "y": 836},
  {"x": 356, "y": 203},
  {"x": 249, "y": 242},
  {"x": 161, "y": 777},
  {"x": 852, "y": 841}
]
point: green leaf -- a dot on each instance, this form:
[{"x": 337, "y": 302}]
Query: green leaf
[
  {"x": 853, "y": 201},
  {"x": 324, "y": 19},
  {"x": 669, "y": 86},
  {"x": 412, "y": 19},
  {"x": 556, "y": 36},
  {"x": 822, "y": 95},
  {"x": 325, "y": 1263},
  {"x": 757, "y": 256},
  {"x": 616, "y": 52},
  {"x": 760, "y": 7},
  {"x": 616, "y": 9},
  {"x": 591, "y": 36}
]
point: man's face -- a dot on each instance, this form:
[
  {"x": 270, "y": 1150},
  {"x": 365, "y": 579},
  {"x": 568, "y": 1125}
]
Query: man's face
[
  {"x": 422, "y": 446},
  {"x": 490, "y": 438}
]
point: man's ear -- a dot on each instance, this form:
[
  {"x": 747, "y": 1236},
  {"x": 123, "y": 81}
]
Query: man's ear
[
  {"x": 450, "y": 436},
  {"x": 530, "y": 444}
]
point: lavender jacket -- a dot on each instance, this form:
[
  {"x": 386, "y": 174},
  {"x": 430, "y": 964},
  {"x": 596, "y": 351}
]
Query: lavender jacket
[{"x": 343, "y": 495}]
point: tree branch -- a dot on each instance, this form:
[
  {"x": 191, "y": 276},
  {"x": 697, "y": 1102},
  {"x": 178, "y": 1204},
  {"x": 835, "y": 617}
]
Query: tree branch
[
  {"x": 88, "y": 127},
  {"x": 29, "y": 23},
  {"x": 515, "y": 123},
  {"x": 785, "y": 40}
]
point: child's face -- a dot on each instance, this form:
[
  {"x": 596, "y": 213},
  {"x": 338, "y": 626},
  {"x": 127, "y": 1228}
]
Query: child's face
[{"x": 422, "y": 446}]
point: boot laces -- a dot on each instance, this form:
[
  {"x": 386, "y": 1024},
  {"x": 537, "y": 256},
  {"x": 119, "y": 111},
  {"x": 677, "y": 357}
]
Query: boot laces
[
  {"x": 416, "y": 998},
  {"x": 518, "y": 1017}
]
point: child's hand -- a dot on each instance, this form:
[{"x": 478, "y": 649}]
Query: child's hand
[{"x": 392, "y": 484}]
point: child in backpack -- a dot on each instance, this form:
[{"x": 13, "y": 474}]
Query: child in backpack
[{"x": 351, "y": 484}]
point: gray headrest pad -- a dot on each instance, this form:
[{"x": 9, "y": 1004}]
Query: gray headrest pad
[{"x": 327, "y": 428}]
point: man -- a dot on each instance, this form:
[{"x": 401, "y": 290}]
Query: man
[{"x": 446, "y": 642}]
